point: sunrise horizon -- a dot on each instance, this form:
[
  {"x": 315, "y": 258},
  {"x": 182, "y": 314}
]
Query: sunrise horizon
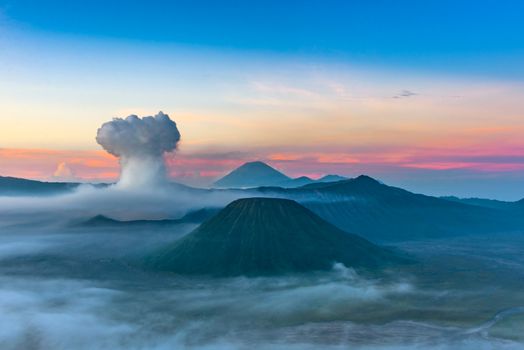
[{"x": 442, "y": 118}]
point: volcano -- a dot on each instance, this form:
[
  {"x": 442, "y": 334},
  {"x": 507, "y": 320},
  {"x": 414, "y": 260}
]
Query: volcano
[
  {"x": 256, "y": 174},
  {"x": 252, "y": 174},
  {"x": 268, "y": 236}
]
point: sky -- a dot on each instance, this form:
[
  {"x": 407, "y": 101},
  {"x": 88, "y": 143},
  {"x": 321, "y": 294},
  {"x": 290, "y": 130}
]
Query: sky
[{"x": 427, "y": 95}]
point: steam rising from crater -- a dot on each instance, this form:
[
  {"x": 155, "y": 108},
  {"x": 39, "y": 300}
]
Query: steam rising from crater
[{"x": 140, "y": 144}]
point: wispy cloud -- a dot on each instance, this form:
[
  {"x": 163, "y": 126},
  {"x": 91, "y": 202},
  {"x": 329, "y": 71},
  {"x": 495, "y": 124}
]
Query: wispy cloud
[{"x": 405, "y": 93}]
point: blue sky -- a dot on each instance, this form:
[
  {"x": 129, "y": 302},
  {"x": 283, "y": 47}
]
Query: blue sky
[{"x": 433, "y": 34}]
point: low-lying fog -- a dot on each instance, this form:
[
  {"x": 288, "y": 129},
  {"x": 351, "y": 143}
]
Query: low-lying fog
[{"x": 64, "y": 286}]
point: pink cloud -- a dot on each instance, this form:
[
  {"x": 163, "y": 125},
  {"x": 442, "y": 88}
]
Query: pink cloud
[{"x": 203, "y": 168}]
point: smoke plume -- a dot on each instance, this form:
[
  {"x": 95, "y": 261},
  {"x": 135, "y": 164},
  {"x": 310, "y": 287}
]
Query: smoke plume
[{"x": 140, "y": 144}]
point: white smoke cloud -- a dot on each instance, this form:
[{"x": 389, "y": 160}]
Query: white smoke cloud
[{"x": 140, "y": 144}]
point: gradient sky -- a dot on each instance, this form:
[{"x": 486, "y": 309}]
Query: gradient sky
[{"x": 427, "y": 95}]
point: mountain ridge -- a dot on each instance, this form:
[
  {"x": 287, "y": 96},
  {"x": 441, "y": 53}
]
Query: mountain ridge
[
  {"x": 381, "y": 213},
  {"x": 193, "y": 217},
  {"x": 13, "y": 186}
]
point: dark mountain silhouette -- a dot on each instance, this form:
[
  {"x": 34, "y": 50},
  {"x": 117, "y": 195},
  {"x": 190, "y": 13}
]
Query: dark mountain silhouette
[
  {"x": 104, "y": 221},
  {"x": 384, "y": 213},
  {"x": 192, "y": 217},
  {"x": 296, "y": 182},
  {"x": 482, "y": 202},
  {"x": 13, "y": 186},
  {"x": 252, "y": 174},
  {"x": 376, "y": 211},
  {"x": 268, "y": 236},
  {"x": 304, "y": 180},
  {"x": 331, "y": 178}
]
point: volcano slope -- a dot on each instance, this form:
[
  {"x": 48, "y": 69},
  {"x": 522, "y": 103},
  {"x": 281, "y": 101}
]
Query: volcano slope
[
  {"x": 268, "y": 236},
  {"x": 384, "y": 213}
]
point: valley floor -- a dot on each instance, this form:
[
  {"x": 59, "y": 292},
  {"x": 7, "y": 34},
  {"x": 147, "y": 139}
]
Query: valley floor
[{"x": 76, "y": 289}]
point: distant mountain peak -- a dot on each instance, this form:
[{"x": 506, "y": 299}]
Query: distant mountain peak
[
  {"x": 366, "y": 178},
  {"x": 252, "y": 174},
  {"x": 258, "y": 174},
  {"x": 332, "y": 178},
  {"x": 256, "y": 163},
  {"x": 99, "y": 220},
  {"x": 258, "y": 166},
  {"x": 359, "y": 182}
]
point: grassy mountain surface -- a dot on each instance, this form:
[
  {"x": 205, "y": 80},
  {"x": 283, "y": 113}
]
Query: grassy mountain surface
[{"x": 268, "y": 236}]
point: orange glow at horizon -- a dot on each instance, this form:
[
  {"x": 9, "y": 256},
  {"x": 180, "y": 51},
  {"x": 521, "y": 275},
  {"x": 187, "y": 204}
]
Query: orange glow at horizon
[{"x": 99, "y": 166}]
